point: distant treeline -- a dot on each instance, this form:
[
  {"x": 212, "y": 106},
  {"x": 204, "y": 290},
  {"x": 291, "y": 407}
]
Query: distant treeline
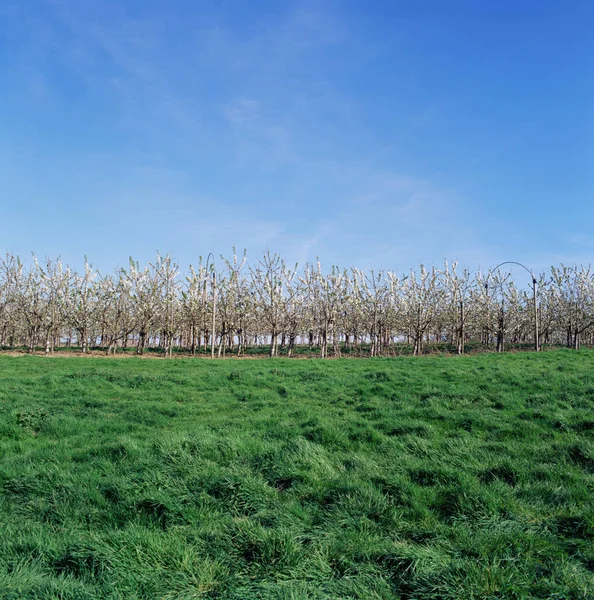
[{"x": 238, "y": 306}]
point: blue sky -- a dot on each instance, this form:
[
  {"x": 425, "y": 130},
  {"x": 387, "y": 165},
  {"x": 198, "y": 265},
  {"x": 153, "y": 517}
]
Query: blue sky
[{"x": 376, "y": 134}]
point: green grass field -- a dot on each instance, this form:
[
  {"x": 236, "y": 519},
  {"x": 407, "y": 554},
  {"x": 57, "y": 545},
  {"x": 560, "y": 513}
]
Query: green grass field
[{"x": 442, "y": 477}]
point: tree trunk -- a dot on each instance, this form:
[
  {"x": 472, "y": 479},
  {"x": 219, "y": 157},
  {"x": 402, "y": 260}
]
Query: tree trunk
[
  {"x": 141, "y": 342},
  {"x": 461, "y": 330}
]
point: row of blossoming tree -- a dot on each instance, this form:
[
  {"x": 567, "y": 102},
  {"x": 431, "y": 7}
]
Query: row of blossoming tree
[{"x": 45, "y": 304}]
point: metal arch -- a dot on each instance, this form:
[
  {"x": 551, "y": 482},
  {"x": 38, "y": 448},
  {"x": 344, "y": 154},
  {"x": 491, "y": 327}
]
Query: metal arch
[
  {"x": 210, "y": 254},
  {"x": 534, "y": 297},
  {"x": 214, "y": 299},
  {"x": 513, "y": 262}
]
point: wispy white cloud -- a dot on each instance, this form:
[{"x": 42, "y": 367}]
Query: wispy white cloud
[
  {"x": 258, "y": 135},
  {"x": 243, "y": 112},
  {"x": 121, "y": 58}
]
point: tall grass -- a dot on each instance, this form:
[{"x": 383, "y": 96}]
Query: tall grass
[{"x": 444, "y": 477}]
